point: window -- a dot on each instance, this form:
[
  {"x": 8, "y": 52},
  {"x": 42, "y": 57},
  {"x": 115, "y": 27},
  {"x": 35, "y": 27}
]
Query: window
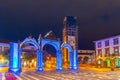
[
  {"x": 116, "y": 50},
  {"x": 107, "y": 43},
  {"x": 115, "y": 41},
  {"x": 6, "y": 48},
  {"x": 72, "y": 33},
  {"x": 107, "y": 52},
  {"x": 100, "y": 52},
  {"x": 99, "y": 45}
]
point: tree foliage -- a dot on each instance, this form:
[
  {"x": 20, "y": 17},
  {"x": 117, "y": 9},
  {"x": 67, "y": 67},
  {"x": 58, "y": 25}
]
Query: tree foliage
[
  {"x": 6, "y": 53},
  {"x": 29, "y": 55}
]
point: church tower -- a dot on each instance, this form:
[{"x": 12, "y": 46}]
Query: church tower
[{"x": 70, "y": 35}]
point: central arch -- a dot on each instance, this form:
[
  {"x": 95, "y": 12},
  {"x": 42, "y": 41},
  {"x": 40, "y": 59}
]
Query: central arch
[
  {"x": 49, "y": 57},
  {"x": 56, "y": 45}
]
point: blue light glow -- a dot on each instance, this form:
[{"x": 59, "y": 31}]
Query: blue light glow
[
  {"x": 15, "y": 61},
  {"x": 15, "y": 56}
]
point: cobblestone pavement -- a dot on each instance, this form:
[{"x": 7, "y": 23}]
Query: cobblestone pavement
[
  {"x": 0, "y": 76},
  {"x": 69, "y": 75}
]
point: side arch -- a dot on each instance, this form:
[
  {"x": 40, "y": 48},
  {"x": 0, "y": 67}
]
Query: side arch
[
  {"x": 38, "y": 51},
  {"x": 71, "y": 53},
  {"x": 30, "y": 41},
  {"x": 15, "y": 55},
  {"x": 67, "y": 45}
]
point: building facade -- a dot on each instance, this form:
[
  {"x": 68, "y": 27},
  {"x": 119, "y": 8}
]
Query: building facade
[
  {"x": 3, "y": 47},
  {"x": 108, "y": 50},
  {"x": 86, "y": 56},
  {"x": 4, "y": 52}
]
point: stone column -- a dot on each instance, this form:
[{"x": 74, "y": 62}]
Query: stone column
[
  {"x": 75, "y": 59},
  {"x": 14, "y": 59},
  {"x": 58, "y": 60},
  {"x": 71, "y": 60},
  {"x": 39, "y": 61},
  {"x": 19, "y": 59}
]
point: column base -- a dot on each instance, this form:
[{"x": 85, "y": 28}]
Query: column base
[
  {"x": 39, "y": 69},
  {"x": 75, "y": 67},
  {"x": 59, "y": 68},
  {"x": 16, "y": 71},
  {"x": 70, "y": 68}
]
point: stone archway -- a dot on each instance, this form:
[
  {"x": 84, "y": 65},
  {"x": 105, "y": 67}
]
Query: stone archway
[
  {"x": 117, "y": 62},
  {"x": 107, "y": 62},
  {"x": 85, "y": 59},
  {"x": 100, "y": 62},
  {"x": 15, "y": 54},
  {"x": 49, "y": 56},
  {"x": 56, "y": 45},
  {"x": 72, "y": 55},
  {"x": 38, "y": 51}
]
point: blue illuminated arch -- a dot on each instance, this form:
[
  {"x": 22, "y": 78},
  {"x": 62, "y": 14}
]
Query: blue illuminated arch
[
  {"x": 15, "y": 53},
  {"x": 73, "y": 55},
  {"x": 56, "y": 45},
  {"x": 68, "y": 46},
  {"x": 52, "y": 44},
  {"x": 30, "y": 41},
  {"x": 39, "y": 52}
]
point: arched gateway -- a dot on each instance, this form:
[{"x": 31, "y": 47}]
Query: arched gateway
[{"x": 16, "y": 50}]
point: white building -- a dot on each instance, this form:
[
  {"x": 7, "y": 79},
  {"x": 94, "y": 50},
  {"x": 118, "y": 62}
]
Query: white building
[
  {"x": 108, "y": 51},
  {"x": 107, "y": 46},
  {"x": 4, "y": 46},
  {"x": 86, "y": 56}
]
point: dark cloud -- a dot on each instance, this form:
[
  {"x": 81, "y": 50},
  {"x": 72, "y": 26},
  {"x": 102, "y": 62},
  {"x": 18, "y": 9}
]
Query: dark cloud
[{"x": 96, "y": 18}]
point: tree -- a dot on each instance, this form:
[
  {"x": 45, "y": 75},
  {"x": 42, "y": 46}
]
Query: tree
[
  {"x": 6, "y": 53},
  {"x": 29, "y": 56}
]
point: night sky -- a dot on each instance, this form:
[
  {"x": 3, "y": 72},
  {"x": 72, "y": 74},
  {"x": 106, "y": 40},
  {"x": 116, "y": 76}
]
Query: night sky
[{"x": 96, "y": 18}]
